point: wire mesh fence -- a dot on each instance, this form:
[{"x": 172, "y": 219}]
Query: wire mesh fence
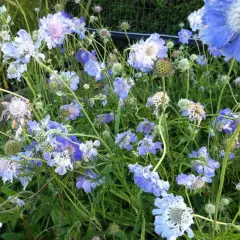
[{"x": 147, "y": 16}]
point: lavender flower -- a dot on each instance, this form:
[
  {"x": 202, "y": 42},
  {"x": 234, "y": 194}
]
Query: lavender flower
[
  {"x": 76, "y": 25},
  {"x": 148, "y": 181},
  {"x": 190, "y": 181},
  {"x": 53, "y": 29},
  {"x": 83, "y": 56},
  {"x": 122, "y": 87},
  {"x": 201, "y": 60},
  {"x": 89, "y": 150},
  {"x": 143, "y": 54},
  {"x": 125, "y": 139},
  {"x": 105, "y": 118},
  {"x": 94, "y": 69},
  {"x": 61, "y": 160},
  {"x": 71, "y": 111},
  {"x": 147, "y": 145},
  {"x": 184, "y": 36},
  {"x": 145, "y": 126},
  {"x": 226, "y": 121},
  {"x": 204, "y": 164},
  {"x": 88, "y": 181}
]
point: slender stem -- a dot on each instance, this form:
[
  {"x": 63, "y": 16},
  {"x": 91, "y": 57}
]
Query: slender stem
[
  {"x": 164, "y": 144},
  {"x": 222, "y": 177},
  {"x": 187, "y": 84}
]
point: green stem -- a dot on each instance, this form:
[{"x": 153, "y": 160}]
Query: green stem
[
  {"x": 164, "y": 144},
  {"x": 222, "y": 177}
]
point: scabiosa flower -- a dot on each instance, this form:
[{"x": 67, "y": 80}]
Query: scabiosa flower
[
  {"x": 15, "y": 70},
  {"x": 21, "y": 49},
  {"x": 97, "y": 9},
  {"x": 105, "y": 118},
  {"x": 159, "y": 99},
  {"x": 184, "y": 36},
  {"x": 201, "y": 60},
  {"x": 226, "y": 121},
  {"x": 53, "y": 29},
  {"x": 195, "y": 112},
  {"x": 209, "y": 208},
  {"x": 195, "y": 20},
  {"x": 71, "y": 111},
  {"x": 88, "y": 182},
  {"x": 221, "y": 20},
  {"x": 184, "y": 64},
  {"x": 9, "y": 169},
  {"x": 71, "y": 144},
  {"x": 148, "y": 181},
  {"x": 89, "y": 150},
  {"x": 94, "y": 69},
  {"x": 143, "y": 54},
  {"x": 222, "y": 154},
  {"x": 104, "y": 33},
  {"x": 61, "y": 160},
  {"x": 18, "y": 110},
  {"x": 83, "y": 56},
  {"x": 122, "y": 87},
  {"x": 190, "y": 181},
  {"x": 204, "y": 164},
  {"x": 77, "y": 25},
  {"x": 145, "y": 126},
  {"x": 125, "y": 139},
  {"x": 147, "y": 145},
  {"x": 172, "y": 217}
]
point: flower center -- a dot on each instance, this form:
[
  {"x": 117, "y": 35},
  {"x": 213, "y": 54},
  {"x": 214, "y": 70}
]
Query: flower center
[
  {"x": 17, "y": 108},
  {"x": 175, "y": 215},
  {"x": 55, "y": 30},
  {"x": 233, "y": 16},
  {"x": 150, "y": 51}
]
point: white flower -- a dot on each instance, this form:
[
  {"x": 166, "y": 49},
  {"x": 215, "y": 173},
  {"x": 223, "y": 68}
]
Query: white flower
[
  {"x": 18, "y": 110},
  {"x": 88, "y": 149},
  {"x": 195, "y": 19},
  {"x": 173, "y": 217},
  {"x": 157, "y": 100},
  {"x": 184, "y": 64}
]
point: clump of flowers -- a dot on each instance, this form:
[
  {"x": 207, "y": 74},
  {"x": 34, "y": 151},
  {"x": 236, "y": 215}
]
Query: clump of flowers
[
  {"x": 143, "y": 54},
  {"x": 172, "y": 217},
  {"x": 148, "y": 181},
  {"x": 18, "y": 110},
  {"x": 158, "y": 101},
  {"x": 125, "y": 140}
]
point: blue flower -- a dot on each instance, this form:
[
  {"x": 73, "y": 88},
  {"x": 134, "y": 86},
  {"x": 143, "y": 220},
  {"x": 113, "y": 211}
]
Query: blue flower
[
  {"x": 94, "y": 69},
  {"x": 147, "y": 145},
  {"x": 145, "y": 126},
  {"x": 88, "y": 181},
  {"x": 148, "y": 181},
  {"x": 222, "y": 27},
  {"x": 226, "y": 121},
  {"x": 125, "y": 139},
  {"x": 83, "y": 56},
  {"x": 122, "y": 87},
  {"x": 230, "y": 156},
  {"x": 172, "y": 217},
  {"x": 184, "y": 36},
  {"x": 190, "y": 181},
  {"x": 105, "y": 118},
  {"x": 71, "y": 111},
  {"x": 201, "y": 60},
  {"x": 204, "y": 164}
]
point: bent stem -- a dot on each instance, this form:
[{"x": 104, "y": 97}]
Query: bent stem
[{"x": 164, "y": 144}]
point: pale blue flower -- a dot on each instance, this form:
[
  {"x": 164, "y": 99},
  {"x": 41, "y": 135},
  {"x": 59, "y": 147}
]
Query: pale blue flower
[
  {"x": 147, "y": 145},
  {"x": 125, "y": 140},
  {"x": 184, "y": 36}
]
